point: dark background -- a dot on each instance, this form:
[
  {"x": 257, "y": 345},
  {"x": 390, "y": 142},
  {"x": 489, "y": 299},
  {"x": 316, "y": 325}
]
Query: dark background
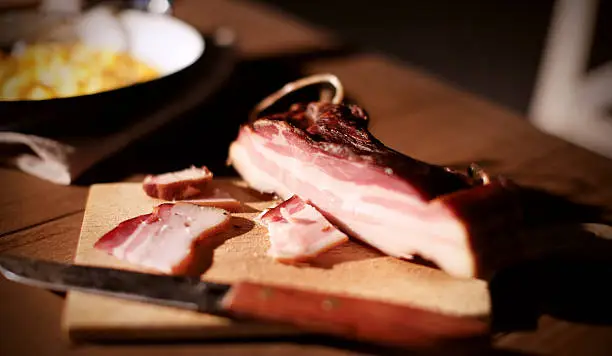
[{"x": 489, "y": 47}]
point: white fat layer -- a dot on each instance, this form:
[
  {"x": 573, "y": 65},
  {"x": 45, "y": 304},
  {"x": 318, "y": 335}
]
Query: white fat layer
[
  {"x": 303, "y": 170},
  {"x": 168, "y": 242},
  {"x": 257, "y": 178},
  {"x": 120, "y": 250},
  {"x": 303, "y": 234},
  {"x": 192, "y": 173},
  {"x": 397, "y": 232}
]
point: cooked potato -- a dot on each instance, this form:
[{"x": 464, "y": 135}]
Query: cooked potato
[{"x": 55, "y": 70}]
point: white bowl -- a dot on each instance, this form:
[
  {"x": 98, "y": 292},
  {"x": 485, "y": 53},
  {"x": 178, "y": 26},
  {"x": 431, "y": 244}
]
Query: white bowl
[{"x": 162, "y": 41}]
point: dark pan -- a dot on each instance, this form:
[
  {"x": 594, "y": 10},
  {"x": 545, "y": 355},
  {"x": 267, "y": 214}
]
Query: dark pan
[{"x": 111, "y": 110}]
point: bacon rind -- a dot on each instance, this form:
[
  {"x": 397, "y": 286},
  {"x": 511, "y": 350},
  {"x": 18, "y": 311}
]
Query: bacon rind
[
  {"x": 339, "y": 133},
  {"x": 120, "y": 233}
]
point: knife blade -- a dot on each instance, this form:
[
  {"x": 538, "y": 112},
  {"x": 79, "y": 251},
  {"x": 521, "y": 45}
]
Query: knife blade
[
  {"x": 174, "y": 291},
  {"x": 340, "y": 315}
]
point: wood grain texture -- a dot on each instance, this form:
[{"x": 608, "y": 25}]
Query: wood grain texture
[
  {"x": 353, "y": 269},
  {"x": 581, "y": 175},
  {"x": 261, "y": 30},
  {"x": 55, "y": 240},
  {"x": 29, "y": 201},
  {"x": 353, "y": 318}
]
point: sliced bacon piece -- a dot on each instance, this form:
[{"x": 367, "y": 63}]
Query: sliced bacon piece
[
  {"x": 164, "y": 240},
  {"x": 298, "y": 232},
  {"x": 324, "y": 153},
  {"x": 216, "y": 198},
  {"x": 117, "y": 236},
  {"x": 177, "y": 185}
]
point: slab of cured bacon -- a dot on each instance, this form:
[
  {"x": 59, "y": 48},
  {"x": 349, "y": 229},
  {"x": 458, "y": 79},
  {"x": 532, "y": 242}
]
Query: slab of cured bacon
[{"x": 324, "y": 153}]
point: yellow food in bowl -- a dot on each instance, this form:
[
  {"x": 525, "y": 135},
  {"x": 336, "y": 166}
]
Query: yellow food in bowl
[{"x": 57, "y": 70}]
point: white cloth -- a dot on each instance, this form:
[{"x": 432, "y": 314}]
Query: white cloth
[{"x": 47, "y": 159}]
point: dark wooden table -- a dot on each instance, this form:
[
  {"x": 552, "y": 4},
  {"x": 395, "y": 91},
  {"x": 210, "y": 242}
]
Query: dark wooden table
[{"x": 411, "y": 111}]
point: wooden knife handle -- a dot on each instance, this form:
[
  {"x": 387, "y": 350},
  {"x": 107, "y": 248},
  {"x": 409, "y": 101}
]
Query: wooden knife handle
[{"x": 349, "y": 317}]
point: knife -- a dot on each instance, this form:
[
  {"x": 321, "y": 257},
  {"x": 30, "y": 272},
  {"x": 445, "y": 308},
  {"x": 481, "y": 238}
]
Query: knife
[{"x": 339, "y": 315}]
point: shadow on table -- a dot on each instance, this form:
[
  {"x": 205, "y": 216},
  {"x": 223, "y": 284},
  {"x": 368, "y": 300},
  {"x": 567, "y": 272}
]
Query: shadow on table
[
  {"x": 460, "y": 348},
  {"x": 545, "y": 261},
  {"x": 561, "y": 267},
  {"x": 572, "y": 289}
]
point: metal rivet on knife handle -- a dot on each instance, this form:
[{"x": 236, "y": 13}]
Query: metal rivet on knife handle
[{"x": 329, "y": 304}]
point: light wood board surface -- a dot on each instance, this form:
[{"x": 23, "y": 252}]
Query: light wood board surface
[{"x": 352, "y": 268}]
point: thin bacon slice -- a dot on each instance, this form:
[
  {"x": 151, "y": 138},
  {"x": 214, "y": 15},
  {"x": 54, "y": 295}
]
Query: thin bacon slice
[
  {"x": 164, "y": 240},
  {"x": 216, "y": 198},
  {"x": 177, "y": 185},
  {"x": 298, "y": 232}
]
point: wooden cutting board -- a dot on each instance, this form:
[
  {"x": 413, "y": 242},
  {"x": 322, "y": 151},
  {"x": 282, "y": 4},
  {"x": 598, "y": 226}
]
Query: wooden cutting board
[{"x": 352, "y": 268}]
